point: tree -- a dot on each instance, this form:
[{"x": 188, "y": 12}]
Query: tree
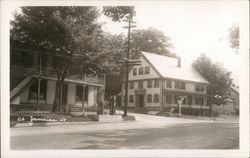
[
  {"x": 234, "y": 37},
  {"x": 119, "y": 13},
  {"x": 150, "y": 40},
  {"x": 115, "y": 46},
  {"x": 218, "y": 77},
  {"x": 67, "y": 33}
]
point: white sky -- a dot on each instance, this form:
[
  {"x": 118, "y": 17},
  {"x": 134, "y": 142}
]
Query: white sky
[{"x": 194, "y": 28}]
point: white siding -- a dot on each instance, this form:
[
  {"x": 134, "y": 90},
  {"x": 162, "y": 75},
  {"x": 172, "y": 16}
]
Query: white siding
[
  {"x": 189, "y": 86},
  {"x": 148, "y": 91},
  {"x": 91, "y": 96},
  {"x": 152, "y": 91},
  {"x": 144, "y": 63}
]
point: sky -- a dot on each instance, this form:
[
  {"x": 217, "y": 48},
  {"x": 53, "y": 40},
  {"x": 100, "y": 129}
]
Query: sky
[{"x": 194, "y": 27}]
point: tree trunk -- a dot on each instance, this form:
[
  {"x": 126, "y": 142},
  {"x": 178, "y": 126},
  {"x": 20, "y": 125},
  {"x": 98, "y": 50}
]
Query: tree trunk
[
  {"x": 56, "y": 100},
  {"x": 60, "y": 81}
]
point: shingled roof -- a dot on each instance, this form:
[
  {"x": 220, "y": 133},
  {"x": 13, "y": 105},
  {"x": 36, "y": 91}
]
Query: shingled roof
[{"x": 167, "y": 67}]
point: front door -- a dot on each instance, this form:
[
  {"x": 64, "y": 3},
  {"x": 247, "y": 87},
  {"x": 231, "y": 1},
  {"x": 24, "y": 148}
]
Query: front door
[{"x": 141, "y": 100}]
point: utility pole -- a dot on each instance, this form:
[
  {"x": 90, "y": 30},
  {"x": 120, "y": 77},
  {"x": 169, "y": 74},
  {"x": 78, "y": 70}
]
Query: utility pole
[{"x": 127, "y": 64}]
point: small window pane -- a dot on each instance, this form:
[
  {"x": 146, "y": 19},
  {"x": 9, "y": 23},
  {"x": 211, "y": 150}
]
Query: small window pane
[
  {"x": 147, "y": 70},
  {"x": 149, "y": 98},
  {"x": 134, "y": 71},
  {"x": 168, "y": 84},
  {"x": 141, "y": 71},
  {"x": 169, "y": 98},
  {"x": 149, "y": 83}
]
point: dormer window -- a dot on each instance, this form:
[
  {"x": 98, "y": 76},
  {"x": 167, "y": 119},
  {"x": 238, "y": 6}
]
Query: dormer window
[
  {"x": 141, "y": 71},
  {"x": 147, "y": 70}
]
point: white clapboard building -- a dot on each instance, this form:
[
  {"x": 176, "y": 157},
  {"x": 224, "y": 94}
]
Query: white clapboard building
[{"x": 160, "y": 81}]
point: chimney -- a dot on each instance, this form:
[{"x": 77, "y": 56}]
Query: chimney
[{"x": 179, "y": 61}]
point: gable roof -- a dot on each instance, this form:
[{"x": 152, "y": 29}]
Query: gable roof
[{"x": 167, "y": 68}]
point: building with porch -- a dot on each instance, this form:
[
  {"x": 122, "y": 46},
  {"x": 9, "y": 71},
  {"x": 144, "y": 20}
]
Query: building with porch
[
  {"x": 160, "y": 81},
  {"x": 77, "y": 91}
]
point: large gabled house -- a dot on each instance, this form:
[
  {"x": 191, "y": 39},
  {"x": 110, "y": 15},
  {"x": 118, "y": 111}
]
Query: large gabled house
[
  {"x": 160, "y": 81},
  {"x": 77, "y": 91}
]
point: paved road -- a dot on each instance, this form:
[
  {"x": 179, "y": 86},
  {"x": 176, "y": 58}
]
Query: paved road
[{"x": 148, "y": 132}]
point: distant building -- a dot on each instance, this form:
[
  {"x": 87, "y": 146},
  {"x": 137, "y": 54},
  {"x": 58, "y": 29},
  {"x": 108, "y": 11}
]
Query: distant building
[
  {"x": 160, "y": 81},
  {"x": 231, "y": 105},
  {"x": 77, "y": 91},
  {"x": 234, "y": 95}
]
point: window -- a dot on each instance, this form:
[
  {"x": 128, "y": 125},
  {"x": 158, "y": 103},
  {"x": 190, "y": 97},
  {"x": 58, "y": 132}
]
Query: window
[
  {"x": 156, "y": 98},
  {"x": 131, "y": 85},
  {"x": 168, "y": 84},
  {"x": 147, "y": 70},
  {"x": 179, "y": 85},
  {"x": 141, "y": 71},
  {"x": 169, "y": 98},
  {"x": 190, "y": 100},
  {"x": 149, "y": 98},
  {"x": 185, "y": 101},
  {"x": 140, "y": 84},
  {"x": 131, "y": 98},
  {"x": 34, "y": 89},
  {"x": 199, "y": 88},
  {"x": 149, "y": 83},
  {"x": 176, "y": 98},
  {"x": 134, "y": 71},
  {"x": 199, "y": 100},
  {"x": 156, "y": 83}
]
